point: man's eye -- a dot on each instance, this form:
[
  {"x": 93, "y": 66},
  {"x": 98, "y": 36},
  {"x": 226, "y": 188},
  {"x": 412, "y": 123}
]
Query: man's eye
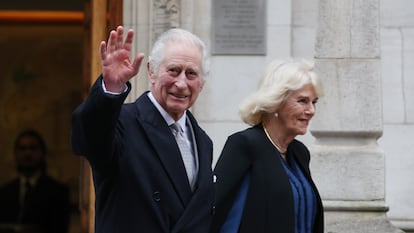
[
  {"x": 174, "y": 71},
  {"x": 191, "y": 74}
]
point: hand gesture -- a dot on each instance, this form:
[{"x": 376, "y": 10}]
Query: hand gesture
[{"x": 117, "y": 68}]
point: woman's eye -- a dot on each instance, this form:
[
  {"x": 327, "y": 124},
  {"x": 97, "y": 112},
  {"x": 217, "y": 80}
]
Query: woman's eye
[{"x": 303, "y": 101}]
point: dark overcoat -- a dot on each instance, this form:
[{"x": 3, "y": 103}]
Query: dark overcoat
[
  {"x": 139, "y": 177},
  {"x": 269, "y": 204},
  {"x": 47, "y": 210}
]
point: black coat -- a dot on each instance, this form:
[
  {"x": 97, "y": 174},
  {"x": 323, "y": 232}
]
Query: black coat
[
  {"x": 48, "y": 209},
  {"x": 139, "y": 177},
  {"x": 269, "y": 203}
]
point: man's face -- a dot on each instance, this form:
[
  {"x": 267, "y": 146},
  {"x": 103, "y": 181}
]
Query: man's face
[
  {"x": 179, "y": 79},
  {"x": 29, "y": 155}
]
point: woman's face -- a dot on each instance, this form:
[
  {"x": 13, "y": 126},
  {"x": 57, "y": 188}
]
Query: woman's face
[{"x": 298, "y": 109}]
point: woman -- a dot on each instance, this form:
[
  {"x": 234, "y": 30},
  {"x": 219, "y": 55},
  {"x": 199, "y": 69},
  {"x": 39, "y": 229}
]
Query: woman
[{"x": 263, "y": 181}]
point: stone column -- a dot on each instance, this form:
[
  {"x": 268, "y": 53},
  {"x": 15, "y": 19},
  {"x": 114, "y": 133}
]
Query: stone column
[
  {"x": 137, "y": 16},
  {"x": 347, "y": 163}
]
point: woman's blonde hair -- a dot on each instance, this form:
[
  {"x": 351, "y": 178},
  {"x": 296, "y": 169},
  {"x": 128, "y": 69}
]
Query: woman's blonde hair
[{"x": 280, "y": 78}]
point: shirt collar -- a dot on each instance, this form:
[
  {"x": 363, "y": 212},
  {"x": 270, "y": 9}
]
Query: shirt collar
[
  {"x": 168, "y": 119},
  {"x": 32, "y": 179}
]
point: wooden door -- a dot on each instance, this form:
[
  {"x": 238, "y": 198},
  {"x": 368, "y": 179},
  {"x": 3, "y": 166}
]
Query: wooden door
[{"x": 101, "y": 16}]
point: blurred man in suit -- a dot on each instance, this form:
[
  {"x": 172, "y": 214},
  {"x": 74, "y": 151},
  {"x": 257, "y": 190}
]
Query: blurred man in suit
[{"x": 34, "y": 201}]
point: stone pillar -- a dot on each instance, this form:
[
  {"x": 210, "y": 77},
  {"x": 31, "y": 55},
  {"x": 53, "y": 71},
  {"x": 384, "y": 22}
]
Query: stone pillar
[
  {"x": 137, "y": 16},
  {"x": 347, "y": 163}
]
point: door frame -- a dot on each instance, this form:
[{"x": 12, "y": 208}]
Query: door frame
[{"x": 101, "y": 16}]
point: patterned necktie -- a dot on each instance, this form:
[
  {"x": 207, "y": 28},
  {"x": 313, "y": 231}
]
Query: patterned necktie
[
  {"x": 28, "y": 189},
  {"x": 186, "y": 154}
]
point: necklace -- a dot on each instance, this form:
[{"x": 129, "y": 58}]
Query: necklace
[{"x": 278, "y": 147}]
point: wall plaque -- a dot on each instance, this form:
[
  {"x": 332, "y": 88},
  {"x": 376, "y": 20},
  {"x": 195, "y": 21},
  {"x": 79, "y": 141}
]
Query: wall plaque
[{"x": 239, "y": 27}]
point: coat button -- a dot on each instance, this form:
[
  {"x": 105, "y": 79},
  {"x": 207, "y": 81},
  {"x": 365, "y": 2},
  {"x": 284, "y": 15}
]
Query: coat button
[{"x": 156, "y": 196}]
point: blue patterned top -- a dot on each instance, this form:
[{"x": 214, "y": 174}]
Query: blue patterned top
[{"x": 303, "y": 197}]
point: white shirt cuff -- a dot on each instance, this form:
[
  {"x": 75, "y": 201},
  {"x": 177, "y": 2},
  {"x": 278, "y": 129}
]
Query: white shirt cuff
[{"x": 113, "y": 93}]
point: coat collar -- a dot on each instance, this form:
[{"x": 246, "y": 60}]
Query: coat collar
[{"x": 161, "y": 138}]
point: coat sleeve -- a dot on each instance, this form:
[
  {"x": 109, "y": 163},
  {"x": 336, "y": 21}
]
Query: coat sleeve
[
  {"x": 233, "y": 219},
  {"x": 230, "y": 171},
  {"x": 94, "y": 122},
  {"x": 60, "y": 211}
]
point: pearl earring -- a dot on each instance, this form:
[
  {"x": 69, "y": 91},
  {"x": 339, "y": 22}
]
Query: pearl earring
[{"x": 276, "y": 114}]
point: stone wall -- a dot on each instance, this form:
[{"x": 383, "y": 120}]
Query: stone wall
[{"x": 397, "y": 48}]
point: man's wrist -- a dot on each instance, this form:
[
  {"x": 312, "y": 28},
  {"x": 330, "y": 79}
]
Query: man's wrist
[{"x": 111, "y": 92}]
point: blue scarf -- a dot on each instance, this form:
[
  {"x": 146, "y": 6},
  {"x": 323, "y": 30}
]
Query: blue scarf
[{"x": 303, "y": 197}]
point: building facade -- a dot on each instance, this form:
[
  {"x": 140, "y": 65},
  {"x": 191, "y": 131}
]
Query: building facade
[{"x": 291, "y": 28}]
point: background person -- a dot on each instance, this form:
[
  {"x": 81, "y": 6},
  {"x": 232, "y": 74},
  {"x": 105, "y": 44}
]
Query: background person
[
  {"x": 144, "y": 180},
  {"x": 263, "y": 179},
  {"x": 34, "y": 201}
]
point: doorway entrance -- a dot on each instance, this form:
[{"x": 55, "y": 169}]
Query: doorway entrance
[{"x": 49, "y": 60}]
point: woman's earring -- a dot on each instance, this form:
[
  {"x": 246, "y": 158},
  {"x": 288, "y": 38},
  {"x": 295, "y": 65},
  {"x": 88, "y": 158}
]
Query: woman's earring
[{"x": 276, "y": 114}]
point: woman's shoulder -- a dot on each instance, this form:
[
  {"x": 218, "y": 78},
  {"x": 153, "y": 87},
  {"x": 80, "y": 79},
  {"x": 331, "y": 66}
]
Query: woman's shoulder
[
  {"x": 299, "y": 150},
  {"x": 251, "y": 137},
  {"x": 298, "y": 146},
  {"x": 297, "y": 143},
  {"x": 248, "y": 132}
]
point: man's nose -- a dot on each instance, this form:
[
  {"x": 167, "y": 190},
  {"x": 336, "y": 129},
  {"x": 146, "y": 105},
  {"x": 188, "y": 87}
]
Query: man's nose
[{"x": 181, "y": 80}]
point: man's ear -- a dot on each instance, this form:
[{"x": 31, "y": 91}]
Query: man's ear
[
  {"x": 150, "y": 74},
  {"x": 149, "y": 68},
  {"x": 202, "y": 84}
]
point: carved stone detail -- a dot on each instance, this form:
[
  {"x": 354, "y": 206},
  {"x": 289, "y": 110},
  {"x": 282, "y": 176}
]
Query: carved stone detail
[{"x": 166, "y": 14}]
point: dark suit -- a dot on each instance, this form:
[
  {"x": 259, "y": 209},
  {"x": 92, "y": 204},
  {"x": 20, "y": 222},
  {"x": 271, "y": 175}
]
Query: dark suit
[
  {"x": 269, "y": 203},
  {"x": 139, "y": 177},
  {"x": 48, "y": 209}
]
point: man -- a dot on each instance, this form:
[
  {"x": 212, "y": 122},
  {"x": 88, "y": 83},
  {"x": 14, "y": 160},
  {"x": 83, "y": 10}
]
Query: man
[
  {"x": 34, "y": 202},
  {"x": 143, "y": 182}
]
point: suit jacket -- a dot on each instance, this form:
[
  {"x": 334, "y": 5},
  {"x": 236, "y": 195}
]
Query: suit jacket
[
  {"x": 139, "y": 177},
  {"x": 48, "y": 210},
  {"x": 269, "y": 203}
]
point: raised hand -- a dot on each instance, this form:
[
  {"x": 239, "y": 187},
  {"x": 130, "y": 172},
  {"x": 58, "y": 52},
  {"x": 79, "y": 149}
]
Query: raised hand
[{"x": 117, "y": 67}]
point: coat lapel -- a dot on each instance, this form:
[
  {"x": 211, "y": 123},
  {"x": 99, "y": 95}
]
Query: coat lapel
[
  {"x": 204, "y": 183},
  {"x": 163, "y": 142}
]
